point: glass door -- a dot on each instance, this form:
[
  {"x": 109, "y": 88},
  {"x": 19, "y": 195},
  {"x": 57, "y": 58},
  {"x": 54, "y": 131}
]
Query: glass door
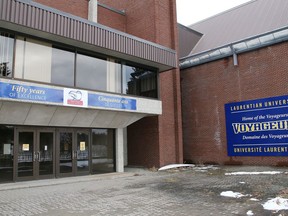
[
  {"x": 34, "y": 154},
  {"x": 45, "y": 154},
  {"x": 65, "y": 153},
  {"x": 82, "y": 152},
  {"x": 72, "y": 152},
  {"x": 25, "y": 154}
]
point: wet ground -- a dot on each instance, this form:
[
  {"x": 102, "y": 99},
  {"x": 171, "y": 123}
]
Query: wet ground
[{"x": 187, "y": 191}]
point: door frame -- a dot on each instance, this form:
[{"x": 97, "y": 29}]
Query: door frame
[
  {"x": 74, "y": 132},
  {"x": 36, "y": 147},
  {"x": 88, "y": 132},
  {"x": 16, "y": 153},
  {"x": 58, "y": 131},
  {"x": 47, "y": 130}
]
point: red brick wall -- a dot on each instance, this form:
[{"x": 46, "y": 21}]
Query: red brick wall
[
  {"x": 140, "y": 16},
  {"x": 151, "y": 20},
  {"x": 75, "y": 7},
  {"x": 111, "y": 18},
  {"x": 206, "y": 88},
  {"x": 155, "y": 141},
  {"x": 143, "y": 143}
]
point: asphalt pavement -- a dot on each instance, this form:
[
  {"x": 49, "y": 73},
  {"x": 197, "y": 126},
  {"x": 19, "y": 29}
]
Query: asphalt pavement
[{"x": 138, "y": 192}]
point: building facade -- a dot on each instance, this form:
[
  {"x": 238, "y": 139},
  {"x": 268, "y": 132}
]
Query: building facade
[
  {"x": 82, "y": 86},
  {"x": 92, "y": 86},
  {"x": 234, "y": 87}
]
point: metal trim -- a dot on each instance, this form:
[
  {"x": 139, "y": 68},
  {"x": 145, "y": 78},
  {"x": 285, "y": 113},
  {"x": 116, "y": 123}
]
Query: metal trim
[{"x": 215, "y": 54}]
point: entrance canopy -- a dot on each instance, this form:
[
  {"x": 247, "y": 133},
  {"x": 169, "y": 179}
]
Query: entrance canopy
[
  {"x": 24, "y": 103},
  {"x": 15, "y": 113}
]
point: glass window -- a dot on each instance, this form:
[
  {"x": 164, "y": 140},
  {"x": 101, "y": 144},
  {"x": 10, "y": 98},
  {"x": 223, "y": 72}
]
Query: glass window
[
  {"x": 91, "y": 73},
  {"x": 43, "y": 62},
  {"x": 6, "y": 153},
  {"x": 6, "y": 54},
  {"x": 102, "y": 151},
  {"x": 33, "y": 60},
  {"x": 139, "y": 81},
  {"x": 62, "y": 67}
]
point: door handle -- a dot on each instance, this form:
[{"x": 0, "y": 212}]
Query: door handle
[
  {"x": 75, "y": 155},
  {"x": 38, "y": 156},
  {"x": 34, "y": 156}
]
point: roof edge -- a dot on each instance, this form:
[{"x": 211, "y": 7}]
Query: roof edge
[{"x": 237, "y": 47}]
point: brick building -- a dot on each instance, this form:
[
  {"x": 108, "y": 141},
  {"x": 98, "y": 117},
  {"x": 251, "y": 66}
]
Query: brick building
[
  {"x": 234, "y": 86},
  {"x": 83, "y": 84},
  {"x": 90, "y": 87}
]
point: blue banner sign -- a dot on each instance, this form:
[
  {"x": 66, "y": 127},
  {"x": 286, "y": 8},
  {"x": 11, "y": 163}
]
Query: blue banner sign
[
  {"x": 257, "y": 127},
  {"x": 24, "y": 92},
  {"x": 30, "y": 93},
  {"x": 97, "y": 100}
]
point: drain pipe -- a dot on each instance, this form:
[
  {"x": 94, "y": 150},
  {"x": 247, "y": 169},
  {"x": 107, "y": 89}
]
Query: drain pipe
[
  {"x": 235, "y": 57},
  {"x": 92, "y": 10}
]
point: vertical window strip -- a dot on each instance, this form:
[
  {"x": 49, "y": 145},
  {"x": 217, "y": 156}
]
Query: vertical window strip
[{"x": 6, "y": 54}]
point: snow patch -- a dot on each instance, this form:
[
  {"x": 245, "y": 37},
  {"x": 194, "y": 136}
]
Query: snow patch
[
  {"x": 254, "y": 199},
  {"x": 205, "y": 168},
  {"x": 172, "y": 166},
  {"x": 232, "y": 194},
  {"x": 276, "y": 204},
  {"x": 255, "y": 173},
  {"x": 250, "y": 213}
]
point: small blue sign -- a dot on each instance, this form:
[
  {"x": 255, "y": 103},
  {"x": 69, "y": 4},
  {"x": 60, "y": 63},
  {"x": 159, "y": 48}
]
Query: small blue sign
[
  {"x": 30, "y": 93},
  {"x": 98, "y": 100},
  {"x": 257, "y": 127}
]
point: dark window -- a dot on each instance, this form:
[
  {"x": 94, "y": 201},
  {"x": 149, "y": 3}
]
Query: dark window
[
  {"x": 91, "y": 73},
  {"x": 102, "y": 151},
  {"x": 139, "y": 81},
  {"x": 6, "y": 54},
  {"x": 6, "y": 153},
  {"x": 62, "y": 67}
]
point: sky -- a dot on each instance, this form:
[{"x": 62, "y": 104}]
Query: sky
[{"x": 192, "y": 11}]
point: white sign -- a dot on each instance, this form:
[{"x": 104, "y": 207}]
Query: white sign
[
  {"x": 25, "y": 147},
  {"x": 7, "y": 149},
  {"x": 75, "y": 97}
]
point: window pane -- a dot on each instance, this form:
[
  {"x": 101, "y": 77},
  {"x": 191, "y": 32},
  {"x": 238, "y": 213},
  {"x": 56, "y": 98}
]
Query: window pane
[
  {"x": 6, "y": 54},
  {"x": 66, "y": 143},
  {"x": 138, "y": 81},
  {"x": 25, "y": 154},
  {"x": 91, "y": 73},
  {"x": 102, "y": 151},
  {"x": 62, "y": 67},
  {"x": 82, "y": 152},
  {"x": 6, "y": 153},
  {"x": 33, "y": 60},
  {"x": 46, "y": 153}
]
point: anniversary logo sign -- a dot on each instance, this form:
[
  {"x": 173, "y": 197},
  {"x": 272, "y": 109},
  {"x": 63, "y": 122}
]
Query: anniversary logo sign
[
  {"x": 257, "y": 127},
  {"x": 66, "y": 97}
]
